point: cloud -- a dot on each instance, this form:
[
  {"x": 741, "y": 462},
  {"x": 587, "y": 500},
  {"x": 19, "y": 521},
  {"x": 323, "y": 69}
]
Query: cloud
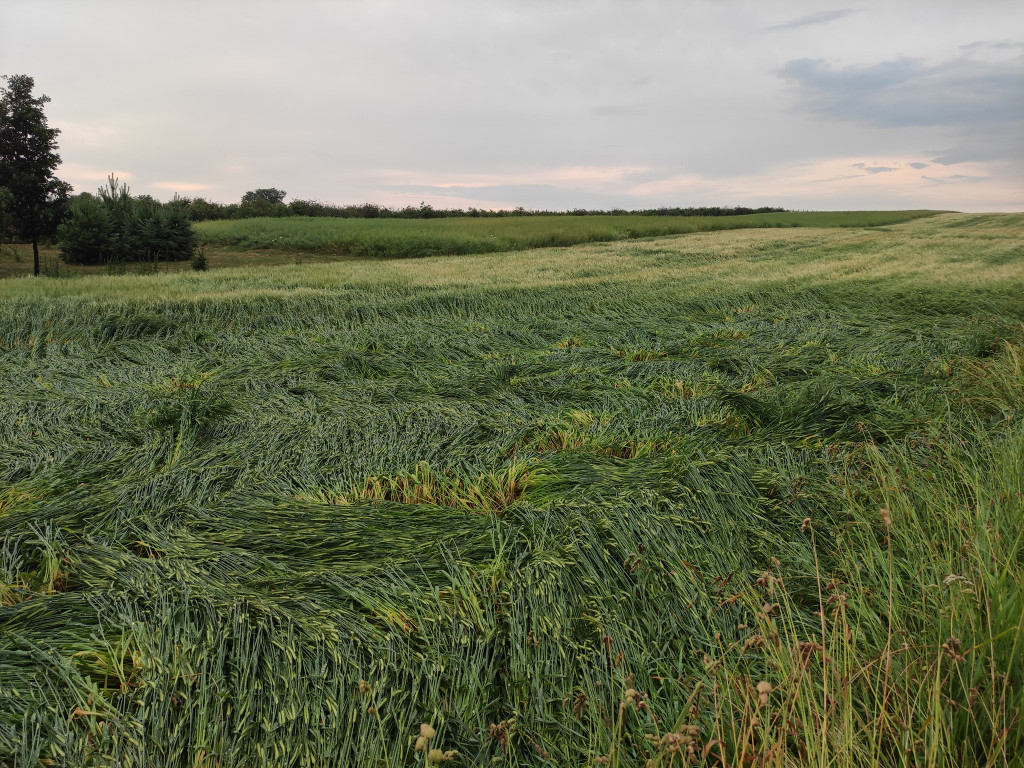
[
  {"x": 540, "y": 104},
  {"x": 991, "y": 46},
  {"x": 179, "y": 186},
  {"x": 875, "y": 168},
  {"x": 822, "y": 17},
  {"x": 590, "y": 176},
  {"x": 955, "y": 178},
  {"x": 911, "y": 93},
  {"x": 918, "y": 166},
  {"x": 87, "y": 178},
  {"x": 993, "y": 142},
  {"x": 827, "y": 184}
]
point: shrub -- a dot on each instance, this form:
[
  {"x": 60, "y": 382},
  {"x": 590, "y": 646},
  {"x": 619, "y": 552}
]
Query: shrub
[
  {"x": 199, "y": 262},
  {"x": 88, "y": 235},
  {"x": 115, "y": 227},
  {"x": 152, "y": 233}
]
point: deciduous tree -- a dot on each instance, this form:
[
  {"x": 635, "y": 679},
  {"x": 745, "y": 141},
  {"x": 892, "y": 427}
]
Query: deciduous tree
[
  {"x": 28, "y": 162},
  {"x": 263, "y": 202}
]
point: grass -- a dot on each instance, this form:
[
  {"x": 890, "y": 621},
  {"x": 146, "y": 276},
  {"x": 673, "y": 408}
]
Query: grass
[
  {"x": 751, "y": 497},
  {"x": 16, "y": 261},
  {"x": 302, "y": 240},
  {"x": 399, "y": 238}
]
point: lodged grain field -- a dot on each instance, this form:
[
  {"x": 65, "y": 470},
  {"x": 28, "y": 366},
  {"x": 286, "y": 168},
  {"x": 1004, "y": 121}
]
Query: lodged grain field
[
  {"x": 723, "y": 498},
  {"x": 418, "y": 238}
]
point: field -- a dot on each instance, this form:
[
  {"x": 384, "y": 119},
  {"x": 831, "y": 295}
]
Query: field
[
  {"x": 405, "y": 238},
  {"x": 732, "y": 498},
  {"x": 303, "y": 240}
]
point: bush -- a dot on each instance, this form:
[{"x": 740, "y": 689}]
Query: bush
[
  {"x": 199, "y": 262},
  {"x": 88, "y": 235},
  {"x": 152, "y": 233}
]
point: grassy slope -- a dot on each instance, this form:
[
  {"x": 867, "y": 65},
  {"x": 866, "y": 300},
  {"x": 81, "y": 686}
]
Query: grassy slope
[
  {"x": 297, "y": 240},
  {"x": 505, "y": 489},
  {"x": 403, "y": 238}
]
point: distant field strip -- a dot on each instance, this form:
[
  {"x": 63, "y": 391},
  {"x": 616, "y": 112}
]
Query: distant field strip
[
  {"x": 400, "y": 238},
  {"x": 749, "y": 497}
]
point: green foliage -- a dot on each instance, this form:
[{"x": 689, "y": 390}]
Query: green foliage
[
  {"x": 152, "y": 233},
  {"x": 269, "y": 202},
  {"x": 270, "y": 196},
  {"x": 89, "y": 235},
  {"x": 119, "y": 228},
  {"x": 287, "y": 516},
  {"x": 199, "y": 261},
  {"x": 263, "y": 202},
  {"x": 118, "y": 201},
  {"x": 36, "y": 199}
]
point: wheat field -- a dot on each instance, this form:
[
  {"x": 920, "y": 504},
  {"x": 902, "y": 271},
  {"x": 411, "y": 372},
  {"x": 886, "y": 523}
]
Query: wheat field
[{"x": 729, "y": 498}]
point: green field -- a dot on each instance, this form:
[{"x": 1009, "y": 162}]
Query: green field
[
  {"x": 412, "y": 238},
  {"x": 749, "y": 497},
  {"x": 303, "y": 240}
]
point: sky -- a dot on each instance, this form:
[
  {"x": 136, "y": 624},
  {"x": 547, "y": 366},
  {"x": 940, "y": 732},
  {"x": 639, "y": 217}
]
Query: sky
[{"x": 553, "y": 104}]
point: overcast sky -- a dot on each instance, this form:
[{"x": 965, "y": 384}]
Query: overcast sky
[{"x": 555, "y": 104}]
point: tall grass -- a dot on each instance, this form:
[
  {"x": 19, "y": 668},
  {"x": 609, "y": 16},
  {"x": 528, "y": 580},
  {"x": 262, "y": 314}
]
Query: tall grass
[
  {"x": 400, "y": 238},
  {"x": 741, "y": 498}
]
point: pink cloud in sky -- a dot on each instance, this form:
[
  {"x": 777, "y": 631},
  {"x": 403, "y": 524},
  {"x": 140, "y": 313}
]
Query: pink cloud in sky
[
  {"x": 77, "y": 174},
  {"x": 179, "y": 186},
  {"x": 587, "y": 177},
  {"x": 817, "y": 184}
]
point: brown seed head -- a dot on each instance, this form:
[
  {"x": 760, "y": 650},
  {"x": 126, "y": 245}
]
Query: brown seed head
[
  {"x": 952, "y": 647},
  {"x": 427, "y": 731}
]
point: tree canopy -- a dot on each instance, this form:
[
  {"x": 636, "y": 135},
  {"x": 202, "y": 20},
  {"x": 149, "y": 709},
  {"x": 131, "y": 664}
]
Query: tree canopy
[
  {"x": 35, "y": 198},
  {"x": 114, "y": 227},
  {"x": 264, "y": 202},
  {"x": 270, "y": 195}
]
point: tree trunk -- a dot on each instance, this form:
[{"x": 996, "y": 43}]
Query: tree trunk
[{"x": 35, "y": 257}]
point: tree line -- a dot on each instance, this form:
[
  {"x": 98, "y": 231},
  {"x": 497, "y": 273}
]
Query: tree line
[{"x": 270, "y": 202}]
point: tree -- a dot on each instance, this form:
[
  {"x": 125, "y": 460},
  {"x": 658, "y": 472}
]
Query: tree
[
  {"x": 270, "y": 195},
  {"x": 263, "y": 202},
  {"x": 116, "y": 227},
  {"x": 28, "y": 160},
  {"x": 88, "y": 235}
]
